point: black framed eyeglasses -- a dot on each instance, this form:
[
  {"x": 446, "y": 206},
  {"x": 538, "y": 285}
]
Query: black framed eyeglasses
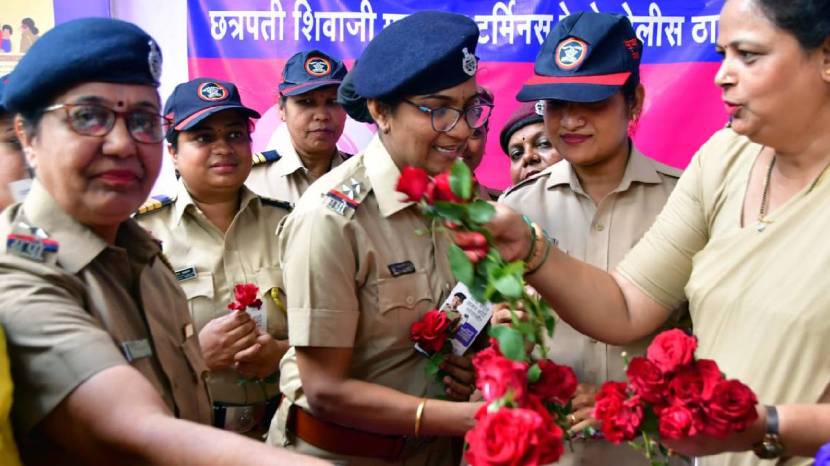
[
  {"x": 444, "y": 119},
  {"x": 96, "y": 120}
]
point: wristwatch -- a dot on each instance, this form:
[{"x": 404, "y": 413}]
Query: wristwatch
[{"x": 770, "y": 447}]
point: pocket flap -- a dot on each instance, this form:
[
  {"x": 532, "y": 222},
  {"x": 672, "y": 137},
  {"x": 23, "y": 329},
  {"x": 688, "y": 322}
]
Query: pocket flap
[
  {"x": 201, "y": 285},
  {"x": 404, "y": 291}
]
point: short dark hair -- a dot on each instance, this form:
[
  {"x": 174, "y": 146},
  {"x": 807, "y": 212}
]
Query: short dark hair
[
  {"x": 460, "y": 296},
  {"x": 807, "y": 20},
  {"x": 31, "y": 119},
  {"x": 8, "y": 27}
]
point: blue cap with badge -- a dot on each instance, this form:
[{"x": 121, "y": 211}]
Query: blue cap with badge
[
  {"x": 199, "y": 98},
  {"x": 307, "y": 71},
  {"x": 587, "y": 57},
  {"x": 83, "y": 50},
  {"x": 422, "y": 53}
]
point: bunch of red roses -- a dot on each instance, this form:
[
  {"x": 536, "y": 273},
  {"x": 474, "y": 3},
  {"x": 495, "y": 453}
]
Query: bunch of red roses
[
  {"x": 527, "y": 401},
  {"x": 245, "y": 296},
  {"x": 527, "y": 404},
  {"x": 672, "y": 395}
]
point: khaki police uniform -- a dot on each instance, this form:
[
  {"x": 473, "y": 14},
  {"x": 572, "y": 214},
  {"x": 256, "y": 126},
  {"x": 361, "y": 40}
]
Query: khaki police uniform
[
  {"x": 86, "y": 307},
  {"x": 358, "y": 275},
  {"x": 600, "y": 235},
  {"x": 280, "y": 174},
  {"x": 758, "y": 299},
  {"x": 209, "y": 263}
]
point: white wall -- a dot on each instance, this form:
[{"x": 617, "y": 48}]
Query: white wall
[{"x": 166, "y": 21}]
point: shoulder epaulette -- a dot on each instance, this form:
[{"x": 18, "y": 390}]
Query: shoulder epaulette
[
  {"x": 527, "y": 181},
  {"x": 276, "y": 203},
  {"x": 155, "y": 203},
  {"x": 664, "y": 169},
  {"x": 266, "y": 157}
]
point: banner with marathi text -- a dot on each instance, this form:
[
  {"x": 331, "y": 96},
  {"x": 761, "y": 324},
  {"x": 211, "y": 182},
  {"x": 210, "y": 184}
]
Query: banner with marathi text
[{"x": 248, "y": 41}]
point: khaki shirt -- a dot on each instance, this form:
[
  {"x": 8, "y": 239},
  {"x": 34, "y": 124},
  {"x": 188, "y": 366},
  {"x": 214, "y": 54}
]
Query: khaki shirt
[
  {"x": 210, "y": 263},
  {"x": 600, "y": 235},
  {"x": 88, "y": 307},
  {"x": 359, "y": 277},
  {"x": 758, "y": 300},
  {"x": 285, "y": 179}
]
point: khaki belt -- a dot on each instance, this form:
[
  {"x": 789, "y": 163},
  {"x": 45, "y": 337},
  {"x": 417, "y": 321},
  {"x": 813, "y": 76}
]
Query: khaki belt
[{"x": 342, "y": 440}]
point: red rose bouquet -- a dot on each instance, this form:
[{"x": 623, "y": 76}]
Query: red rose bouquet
[
  {"x": 527, "y": 399},
  {"x": 246, "y": 299},
  {"x": 672, "y": 395}
]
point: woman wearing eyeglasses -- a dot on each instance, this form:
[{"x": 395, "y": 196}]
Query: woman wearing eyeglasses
[
  {"x": 358, "y": 275},
  {"x": 102, "y": 349}
]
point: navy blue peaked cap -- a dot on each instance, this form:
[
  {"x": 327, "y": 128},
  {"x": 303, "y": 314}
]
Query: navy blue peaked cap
[
  {"x": 199, "y": 98},
  {"x": 587, "y": 57},
  {"x": 310, "y": 70},
  {"x": 421, "y": 53},
  {"x": 83, "y": 50}
]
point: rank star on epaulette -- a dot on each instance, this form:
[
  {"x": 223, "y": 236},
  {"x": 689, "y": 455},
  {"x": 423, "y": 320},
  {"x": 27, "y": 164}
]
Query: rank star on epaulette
[{"x": 352, "y": 189}]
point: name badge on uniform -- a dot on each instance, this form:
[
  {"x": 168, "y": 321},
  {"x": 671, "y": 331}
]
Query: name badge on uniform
[
  {"x": 136, "y": 349},
  {"x": 401, "y": 268},
  {"x": 339, "y": 202},
  {"x": 30, "y": 247},
  {"x": 186, "y": 273}
]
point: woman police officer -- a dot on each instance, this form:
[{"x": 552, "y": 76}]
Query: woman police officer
[
  {"x": 356, "y": 273},
  {"x": 742, "y": 237},
  {"x": 102, "y": 349},
  {"x": 217, "y": 234}
]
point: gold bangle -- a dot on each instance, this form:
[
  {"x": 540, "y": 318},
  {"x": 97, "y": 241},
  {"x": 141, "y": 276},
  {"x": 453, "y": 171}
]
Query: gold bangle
[{"x": 419, "y": 414}]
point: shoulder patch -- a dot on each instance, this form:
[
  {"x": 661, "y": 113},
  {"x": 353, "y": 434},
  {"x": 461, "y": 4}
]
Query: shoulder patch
[
  {"x": 344, "y": 198},
  {"x": 276, "y": 203},
  {"x": 155, "y": 203},
  {"x": 266, "y": 157}
]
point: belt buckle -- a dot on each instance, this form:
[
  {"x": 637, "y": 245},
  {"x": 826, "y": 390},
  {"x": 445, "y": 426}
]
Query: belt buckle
[{"x": 242, "y": 419}]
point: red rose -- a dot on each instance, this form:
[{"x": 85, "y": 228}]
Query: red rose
[
  {"x": 245, "y": 295},
  {"x": 647, "y": 380},
  {"x": 431, "y": 332},
  {"x": 692, "y": 385},
  {"x": 620, "y": 417},
  {"x": 671, "y": 350},
  {"x": 557, "y": 383},
  {"x": 495, "y": 375},
  {"x": 731, "y": 409},
  {"x": 443, "y": 191},
  {"x": 413, "y": 182},
  {"x": 677, "y": 422},
  {"x": 512, "y": 437}
]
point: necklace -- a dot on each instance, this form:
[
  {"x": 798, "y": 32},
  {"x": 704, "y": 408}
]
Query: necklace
[{"x": 762, "y": 212}]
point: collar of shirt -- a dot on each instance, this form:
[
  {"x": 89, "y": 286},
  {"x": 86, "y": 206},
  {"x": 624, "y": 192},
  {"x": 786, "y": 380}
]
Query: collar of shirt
[
  {"x": 383, "y": 174},
  {"x": 77, "y": 244},
  {"x": 638, "y": 170},
  {"x": 290, "y": 161},
  {"x": 184, "y": 199}
]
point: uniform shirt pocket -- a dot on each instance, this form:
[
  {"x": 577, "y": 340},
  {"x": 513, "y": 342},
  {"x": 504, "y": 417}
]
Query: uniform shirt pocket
[
  {"x": 200, "y": 295},
  {"x": 401, "y": 302}
]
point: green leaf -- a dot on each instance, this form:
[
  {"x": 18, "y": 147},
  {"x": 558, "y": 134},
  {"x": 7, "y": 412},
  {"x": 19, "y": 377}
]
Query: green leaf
[
  {"x": 449, "y": 211},
  {"x": 480, "y": 211},
  {"x": 511, "y": 344},
  {"x": 461, "y": 180},
  {"x": 510, "y": 286},
  {"x": 433, "y": 364},
  {"x": 550, "y": 324},
  {"x": 461, "y": 266},
  {"x": 534, "y": 373}
]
